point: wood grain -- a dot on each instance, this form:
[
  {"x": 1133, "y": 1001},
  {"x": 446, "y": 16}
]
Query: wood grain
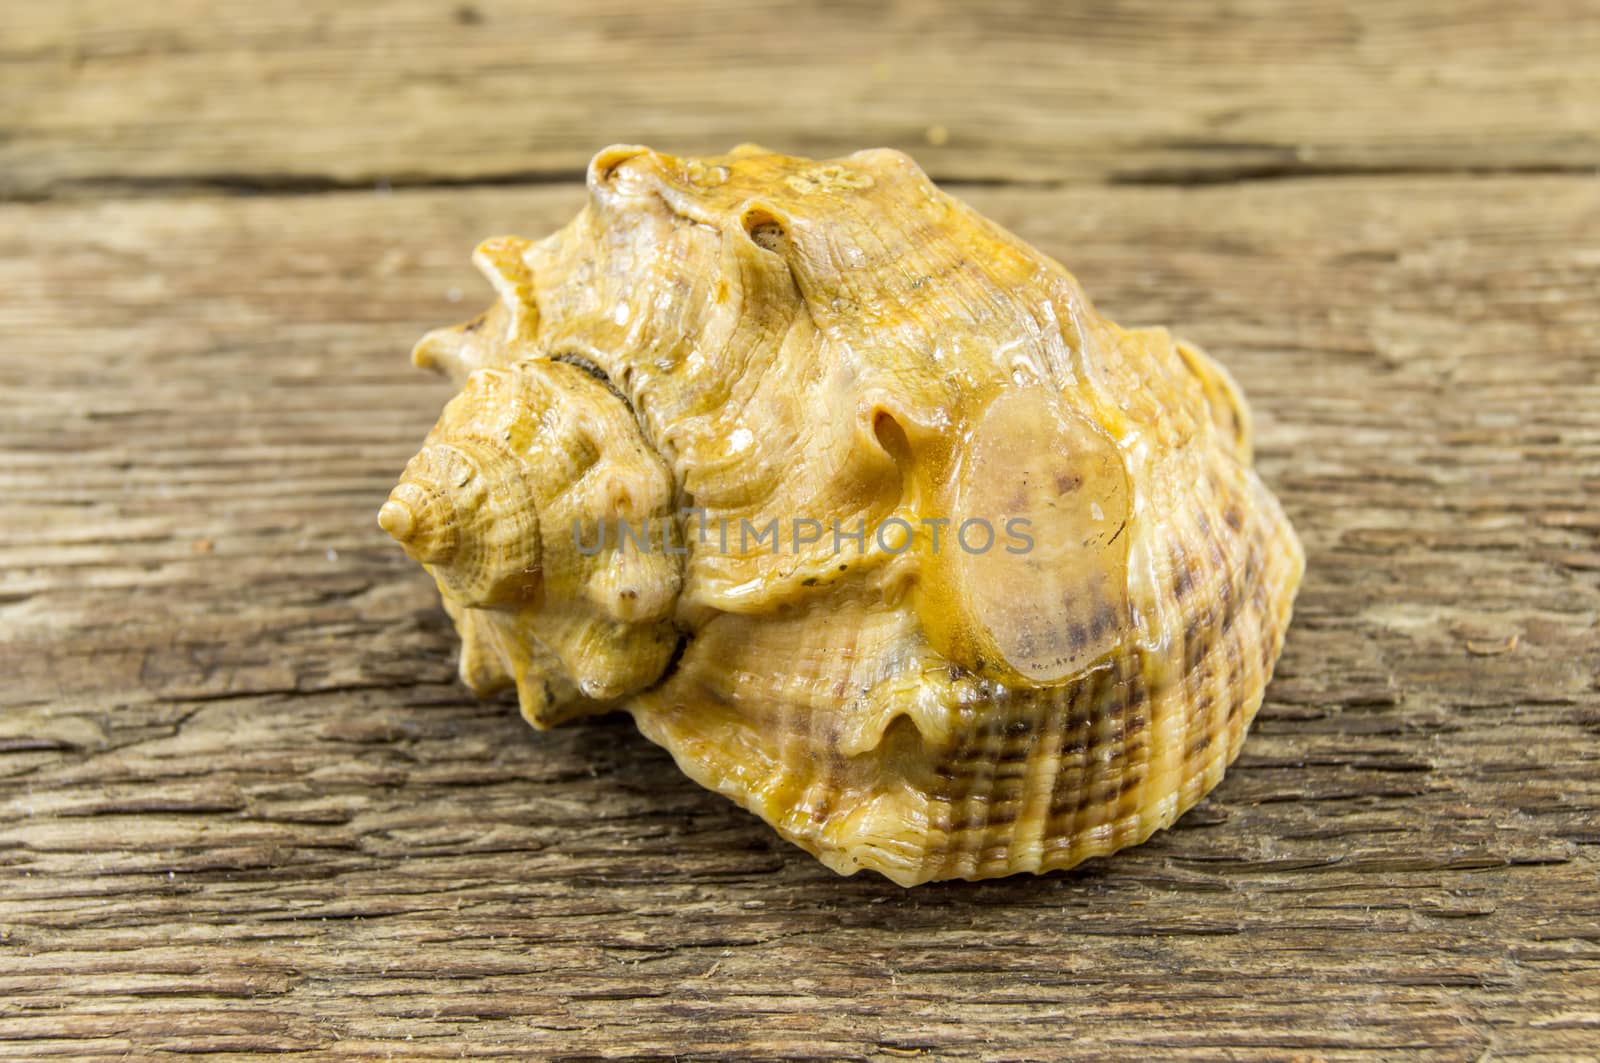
[
  {"x": 245, "y": 809},
  {"x": 296, "y": 94}
]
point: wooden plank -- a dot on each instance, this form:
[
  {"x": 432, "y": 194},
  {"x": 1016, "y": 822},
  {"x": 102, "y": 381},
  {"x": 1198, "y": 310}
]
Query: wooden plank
[
  {"x": 245, "y": 808},
  {"x": 300, "y": 95}
]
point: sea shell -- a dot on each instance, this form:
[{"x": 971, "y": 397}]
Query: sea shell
[{"x": 724, "y": 455}]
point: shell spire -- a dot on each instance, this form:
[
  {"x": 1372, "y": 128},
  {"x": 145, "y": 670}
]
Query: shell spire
[
  {"x": 529, "y": 467},
  {"x": 858, "y": 506}
]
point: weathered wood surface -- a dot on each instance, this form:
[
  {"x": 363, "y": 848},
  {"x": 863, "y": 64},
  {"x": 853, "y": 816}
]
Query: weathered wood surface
[
  {"x": 245, "y": 806},
  {"x": 245, "y": 809},
  {"x": 103, "y": 94}
]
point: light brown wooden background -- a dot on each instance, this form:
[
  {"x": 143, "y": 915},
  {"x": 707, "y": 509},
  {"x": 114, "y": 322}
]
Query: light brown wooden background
[{"x": 245, "y": 808}]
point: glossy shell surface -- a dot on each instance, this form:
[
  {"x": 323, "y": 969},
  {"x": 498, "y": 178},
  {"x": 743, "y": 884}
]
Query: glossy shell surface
[{"x": 855, "y": 503}]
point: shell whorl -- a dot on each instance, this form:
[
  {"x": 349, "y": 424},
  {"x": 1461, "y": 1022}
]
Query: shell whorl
[{"x": 486, "y": 555}]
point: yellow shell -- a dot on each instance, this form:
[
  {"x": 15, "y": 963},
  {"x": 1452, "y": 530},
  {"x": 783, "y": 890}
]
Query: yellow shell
[{"x": 726, "y": 454}]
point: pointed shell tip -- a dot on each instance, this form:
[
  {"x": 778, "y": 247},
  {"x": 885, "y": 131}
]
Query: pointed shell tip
[{"x": 396, "y": 519}]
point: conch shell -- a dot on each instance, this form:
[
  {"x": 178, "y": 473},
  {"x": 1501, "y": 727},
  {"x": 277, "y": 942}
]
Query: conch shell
[{"x": 855, "y": 503}]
